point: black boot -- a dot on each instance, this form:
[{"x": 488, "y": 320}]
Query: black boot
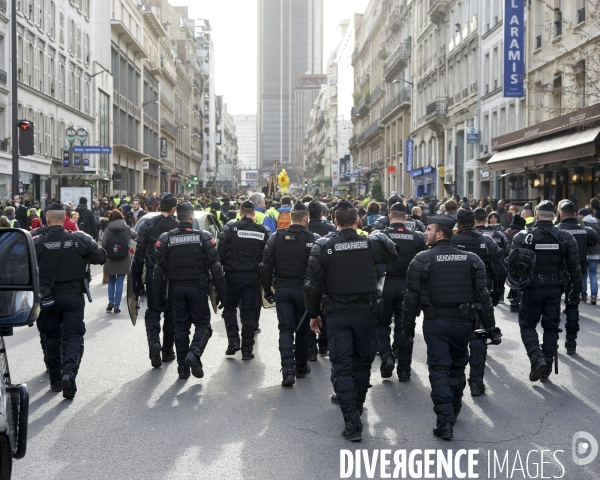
[
  {"x": 477, "y": 387},
  {"x": 234, "y": 346},
  {"x": 538, "y": 366},
  {"x": 335, "y": 399},
  {"x": 548, "y": 370},
  {"x": 323, "y": 348},
  {"x": 403, "y": 374},
  {"x": 289, "y": 377},
  {"x": 184, "y": 372},
  {"x": 155, "y": 359},
  {"x": 247, "y": 353},
  {"x": 388, "y": 364},
  {"x": 303, "y": 371},
  {"x": 56, "y": 386},
  {"x": 168, "y": 356},
  {"x": 353, "y": 429},
  {"x": 68, "y": 385},
  {"x": 571, "y": 346},
  {"x": 444, "y": 427},
  {"x": 192, "y": 361},
  {"x": 312, "y": 354}
]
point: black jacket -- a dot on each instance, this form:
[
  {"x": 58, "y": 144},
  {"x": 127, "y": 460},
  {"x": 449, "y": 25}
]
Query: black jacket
[{"x": 87, "y": 222}]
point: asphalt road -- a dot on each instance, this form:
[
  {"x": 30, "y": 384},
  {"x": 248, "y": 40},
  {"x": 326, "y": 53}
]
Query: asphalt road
[{"x": 130, "y": 421}]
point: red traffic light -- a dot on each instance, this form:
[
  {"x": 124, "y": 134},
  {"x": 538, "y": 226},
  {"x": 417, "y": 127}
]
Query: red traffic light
[{"x": 24, "y": 124}]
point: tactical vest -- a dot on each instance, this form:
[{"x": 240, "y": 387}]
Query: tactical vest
[
  {"x": 246, "y": 244},
  {"x": 450, "y": 276},
  {"x": 292, "y": 249},
  {"x": 549, "y": 253},
  {"x": 185, "y": 255},
  {"x": 160, "y": 225},
  {"x": 350, "y": 266},
  {"x": 409, "y": 246},
  {"x": 473, "y": 241},
  {"x": 320, "y": 227},
  {"x": 579, "y": 231},
  {"x": 72, "y": 265}
]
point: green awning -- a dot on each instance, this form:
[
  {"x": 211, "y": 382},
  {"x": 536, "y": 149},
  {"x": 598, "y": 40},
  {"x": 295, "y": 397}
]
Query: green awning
[{"x": 322, "y": 180}]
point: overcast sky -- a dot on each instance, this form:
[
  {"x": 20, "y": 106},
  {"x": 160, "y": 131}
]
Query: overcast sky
[{"x": 234, "y": 25}]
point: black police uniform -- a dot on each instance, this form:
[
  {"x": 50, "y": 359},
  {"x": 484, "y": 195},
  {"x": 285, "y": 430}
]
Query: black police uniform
[
  {"x": 408, "y": 243},
  {"x": 557, "y": 262},
  {"x": 62, "y": 258},
  {"x": 472, "y": 240},
  {"x": 286, "y": 258},
  {"x": 498, "y": 237},
  {"x": 185, "y": 260},
  {"x": 517, "y": 225},
  {"x": 586, "y": 238},
  {"x": 144, "y": 254},
  {"x": 320, "y": 227},
  {"x": 241, "y": 246},
  {"x": 343, "y": 269},
  {"x": 446, "y": 282}
]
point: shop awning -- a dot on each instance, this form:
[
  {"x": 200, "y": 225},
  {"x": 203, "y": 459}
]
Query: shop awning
[
  {"x": 556, "y": 149},
  {"x": 322, "y": 180}
]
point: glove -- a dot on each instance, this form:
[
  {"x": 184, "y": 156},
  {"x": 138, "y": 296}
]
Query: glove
[
  {"x": 495, "y": 335},
  {"x": 221, "y": 301},
  {"x": 269, "y": 297},
  {"x": 139, "y": 283},
  {"x": 161, "y": 303}
]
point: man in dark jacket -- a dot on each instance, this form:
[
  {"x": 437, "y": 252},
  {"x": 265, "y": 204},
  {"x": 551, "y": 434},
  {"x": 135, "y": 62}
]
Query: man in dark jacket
[{"x": 86, "y": 221}]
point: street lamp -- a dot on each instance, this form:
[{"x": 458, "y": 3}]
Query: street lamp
[
  {"x": 398, "y": 80},
  {"x": 154, "y": 102}
]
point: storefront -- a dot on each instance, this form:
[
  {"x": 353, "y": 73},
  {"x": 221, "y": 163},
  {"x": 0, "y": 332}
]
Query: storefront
[
  {"x": 33, "y": 176},
  {"x": 423, "y": 180}
]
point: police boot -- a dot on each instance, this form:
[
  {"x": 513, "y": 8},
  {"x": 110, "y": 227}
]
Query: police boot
[
  {"x": 312, "y": 354},
  {"x": 68, "y": 385},
  {"x": 247, "y": 353},
  {"x": 289, "y": 377},
  {"x": 387, "y": 365},
  {"x": 548, "y": 370},
  {"x": 168, "y": 356},
  {"x": 234, "y": 346},
  {"x": 353, "y": 428},
  {"x": 477, "y": 387},
  {"x": 403, "y": 374},
  {"x": 335, "y": 399},
  {"x": 444, "y": 427},
  {"x": 168, "y": 351},
  {"x": 538, "y": 366},
  {"x": 184, "y": 372},
  {"x": 302, "y": 372},
  {"x": 571, "y": 346},
  {"x": 155, "y": 359},
  {"x": 192, "y": 361},
  {"x": 56, "y": 386}
]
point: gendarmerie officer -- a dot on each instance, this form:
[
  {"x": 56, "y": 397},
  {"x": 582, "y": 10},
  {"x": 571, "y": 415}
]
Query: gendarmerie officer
[
  {"x": 481, "y": 219},
  {"x": 144, "y": 254},
  {"x": 342, "y": 273},
  {"x": 586, "y": 238},
  {"x": 517, "y": 225},
  {"x": 241, "y": 246},
  {"x": 62, "y": 257},
  {"x": 408, "y": 243},
  {"x": 469, "y": 239},
  {"x": 286, "y": 258},
  {"x": 316, "y": 224},
  {"x": 185, "y": 259},
  {"x": 556, "y": 263},
  {"x": 446, "y": 283}
]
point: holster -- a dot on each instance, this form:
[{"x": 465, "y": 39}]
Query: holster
[{"x": 376, "y": 304}]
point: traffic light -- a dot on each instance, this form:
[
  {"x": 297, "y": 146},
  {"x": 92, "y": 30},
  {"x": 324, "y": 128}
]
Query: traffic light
[
  {"x": 26, "y": 137},
  {"x": 306, "y": 183},
  {"x": 195, "y": 178},
  {"x": 189, "y": 185}
]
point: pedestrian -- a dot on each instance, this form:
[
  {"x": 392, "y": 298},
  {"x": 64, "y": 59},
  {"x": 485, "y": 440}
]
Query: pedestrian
[
  {"x": 504, "y": 216},
  {"x": 409, "y": 243},
  {"x": 34, "y": 220},
  {"x": 134, "y": 215},
  {"x": 185, "y": 259},
  {"x": 116, "y": 243},
  {"x": 556, "y": 263},
  {"x": 98, "y": 212},
  {"x": 86, "y": 221},
  {"x": 383, "y": 221},
  {"x": 148, "y": 235},
  {"x": 593, "y": 257},
  {"x": 20, "y": 211},
  {"x": 342, "y": 275},
  {"x": 241, "y": 246},
  {"x": 10, "y": 215},
  {"x": 62, "y": 257},
  {"x": 284, "y": 263},
  {"x": 455, "y": 280}
]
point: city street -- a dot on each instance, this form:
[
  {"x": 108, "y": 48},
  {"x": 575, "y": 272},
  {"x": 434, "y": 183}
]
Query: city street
[{"x": 130, "y": 421}]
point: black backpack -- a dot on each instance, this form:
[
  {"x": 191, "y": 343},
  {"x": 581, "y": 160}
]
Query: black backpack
[{"x": 117, "y": 246}]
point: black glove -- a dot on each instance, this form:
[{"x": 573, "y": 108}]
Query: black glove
[
  {"x": 161, "y": 303},
  {"x": 221, "y": 300},
  {"x": 495, "y": 335},
  {"x": 139, "y": 283},
  {"x": 269, "y": 296}
]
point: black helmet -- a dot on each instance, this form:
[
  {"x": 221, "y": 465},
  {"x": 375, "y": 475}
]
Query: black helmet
[{"x": 520, "y": 263}]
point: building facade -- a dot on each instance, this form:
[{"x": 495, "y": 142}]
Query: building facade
[{"x": 246, "y": 139}]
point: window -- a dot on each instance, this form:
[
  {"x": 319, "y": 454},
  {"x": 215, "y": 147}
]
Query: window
[
  {"x": 71, "y": 36},
  {"x": 62, "y": 27},
  {"x": 502, "y": 125},
  {"x": 86, "y": 48},
  {"x": 78, "y": 41},
  {"x": 557, "y": 95},
  {"x": 580, "y": 79}
]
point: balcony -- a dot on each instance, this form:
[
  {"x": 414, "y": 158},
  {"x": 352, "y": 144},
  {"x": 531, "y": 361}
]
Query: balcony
[
  {"x": 395, "y": 16},
  {"x": 400, "y": 100},
  {"x": 397, "y": 60},
  {"x": 363, "y": 106},
  {"x": 473, "y": 88},
  {"x": 438, "y": 10},
  {"x": 369, "y": 131},
  {"x": 119, "y": 28},
  {"x": 465, "y": 92},
  {"x": 3, "y": 77},
  {"x": 154, "y": 66},
  {"x": 168, "y": 127},
  {"x": 3, "y": 6},
  {"x": 435, "y": 113}
]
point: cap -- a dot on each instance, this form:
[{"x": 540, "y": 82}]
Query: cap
[
  {"x": 568, "y": 207},
  {"x": 83, "y": 200},
  {"x": 527, "y": 206},
  {"x": 545, "y": 206},
  {"x": 56, "y": 206},
  {"x": 444, "y": 220},
  {"x": 185, "y": 207},
  {"x": 584, "y": 212},
  {"x": 398, "y": 207},
  {"x": 247, "y": 204},
  {"x": 300, "y": 206},
  {"x": 465, "y": 215},
  {"x": 518, "y": 222},
  {"x": 168, "y": 200}
]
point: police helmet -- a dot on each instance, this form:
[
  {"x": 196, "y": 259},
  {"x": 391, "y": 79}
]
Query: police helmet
[{"x": 521, "y": 264}]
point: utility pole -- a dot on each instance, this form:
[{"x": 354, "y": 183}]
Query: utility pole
[{"x": 15, "y": 99}]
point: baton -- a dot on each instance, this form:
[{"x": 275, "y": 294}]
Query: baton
[
  {"x": 86, "y": 284},
  {"x": 302, "y": 320}
]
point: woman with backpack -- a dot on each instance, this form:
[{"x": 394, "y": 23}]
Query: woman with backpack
[
  {"x": 371, "y": 216},
  {"x": 116, "y": 243}
]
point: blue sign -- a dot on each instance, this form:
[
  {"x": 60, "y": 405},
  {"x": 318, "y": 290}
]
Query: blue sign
[
  {"x": 514, "y": 48},
  {"x": 92, "y": 150},
  {"x": 409, "y": 155},
  {"x": 428, "y": 169},
  {"x": 416, "y": 173},
  {"x": 352, "y": 175}
]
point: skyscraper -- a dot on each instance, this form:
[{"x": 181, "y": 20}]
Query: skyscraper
[{"x": 290, "y": 43}]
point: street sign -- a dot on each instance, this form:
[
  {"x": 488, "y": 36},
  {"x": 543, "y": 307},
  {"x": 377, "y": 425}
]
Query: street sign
[
  {"x": 71, "y": 134},
  {"x": 352, "y": 175},
  {"x": 82, "y": 135},
  {"x": 92, "y": 150}
]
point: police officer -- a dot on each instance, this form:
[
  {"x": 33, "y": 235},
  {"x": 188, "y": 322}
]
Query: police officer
[
  {"x": 144, "y": 254},
  {"x": 586, "y": 238},
  {"x": 241, "y": 246},
  {"x": 62, "y": 257},
  {"x": 286, "y": 258},
  {"x": 185, "y": 259},
  {"x": 447, "y": 282},
  {"x": 316, "y": 224},
  {"x": 498, "y": 236},
  {"x": 469, "y": 239},
  {"x": 343, "y": 268},
  {"x": 518, "y": 224},
  {"x": 408, "y": 244},
  {"x": 556, "y": 263}
]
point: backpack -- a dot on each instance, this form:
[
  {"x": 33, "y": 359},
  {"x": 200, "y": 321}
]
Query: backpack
[
  {"x": 284, "y": 220},
  {"x": 117, "y": 246}
]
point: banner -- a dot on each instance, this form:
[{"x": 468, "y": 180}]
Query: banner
[
  {"x": 163, "y": 147},
  {"x": 344, "y": 168},
  {"x": 409, "y": 155},
  {"x": 514, "y": 48}
]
